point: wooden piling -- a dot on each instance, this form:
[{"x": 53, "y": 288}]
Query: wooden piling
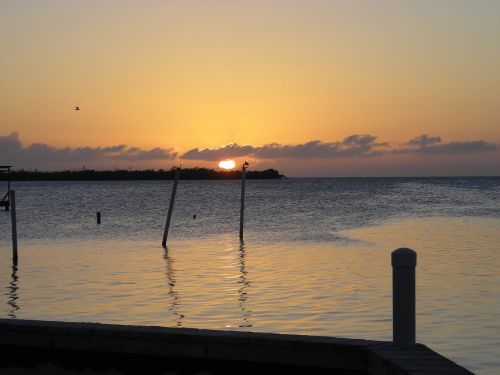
[
  {"x": 403, "y": 262},
  {"x": 242, "y": 205},
  {"x": 13, "y": 219},
  {"x": 170, "y": 207},
  {"x": 5, "y": 201},
  {"x": 98, "y": 217}
]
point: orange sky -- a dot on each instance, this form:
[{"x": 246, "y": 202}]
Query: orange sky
[{"x": 197, "y": 74}]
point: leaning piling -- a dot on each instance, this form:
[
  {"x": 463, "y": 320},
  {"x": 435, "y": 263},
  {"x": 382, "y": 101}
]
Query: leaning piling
[
  {"x": 13, "y": 219},
  {"x": 170, "y": 207}
]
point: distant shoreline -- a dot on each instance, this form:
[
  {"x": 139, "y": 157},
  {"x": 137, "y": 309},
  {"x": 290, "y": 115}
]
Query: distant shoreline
[{"x": 133, "y": 175}]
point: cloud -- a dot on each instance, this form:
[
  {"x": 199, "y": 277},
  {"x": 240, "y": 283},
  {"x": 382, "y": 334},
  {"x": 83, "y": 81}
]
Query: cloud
[
  {"x": 423, "y": 140},
  {"x": 13, "y": 151},
  {"x": 433, "y": 145},
  {"x": 354, "y": 145},
  {"x": 41, "y": 155},
  {"x": 10, "y": 143},
  {"x": 469, "y": 147},
  {"x": 232, "y": 150}
]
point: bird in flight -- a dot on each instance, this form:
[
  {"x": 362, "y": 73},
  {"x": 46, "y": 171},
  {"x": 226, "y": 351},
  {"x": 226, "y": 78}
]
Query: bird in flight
[{"x": 77, "y": 108}]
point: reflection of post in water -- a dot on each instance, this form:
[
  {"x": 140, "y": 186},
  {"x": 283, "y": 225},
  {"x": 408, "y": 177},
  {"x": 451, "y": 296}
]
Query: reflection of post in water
[
  {"x": 243, "y": 290},
  {"x": 12, "y": 293},
  {"x": 174, "y": 296}
]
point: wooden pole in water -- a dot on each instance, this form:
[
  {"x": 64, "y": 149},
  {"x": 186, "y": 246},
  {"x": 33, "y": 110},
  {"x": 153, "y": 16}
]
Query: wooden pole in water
[
  {"x": 12, "y": 199},
  {"x": 98, "y": 214},
  {"x": 8, "y": 188},
  {"x": 7, "y": 203},
  {"x": 242, "y": 206},
  {"x": 170, "y": 207}
]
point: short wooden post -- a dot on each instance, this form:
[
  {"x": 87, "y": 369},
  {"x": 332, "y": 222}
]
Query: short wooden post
[
  {"x": 170, "y": 207},
  {"x": 403, "y": 262},
  {"x": 242, "y": 206},
  {"x": 98, "y": 216},
  {"x": 13, "y": 219}
]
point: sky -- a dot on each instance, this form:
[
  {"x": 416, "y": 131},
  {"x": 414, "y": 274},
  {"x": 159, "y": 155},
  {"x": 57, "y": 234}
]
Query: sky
[{"x": 312, "y": 88}]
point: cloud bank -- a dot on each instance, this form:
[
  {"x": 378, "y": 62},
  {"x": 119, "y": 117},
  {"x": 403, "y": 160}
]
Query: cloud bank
[
  {"x": 232, "y": 150},
  {"x": 354, "y": 155},
  {"x": 352, "y": 146},
  {"x": 13, "y": 151},
  {"x": 433, "y": 145}
]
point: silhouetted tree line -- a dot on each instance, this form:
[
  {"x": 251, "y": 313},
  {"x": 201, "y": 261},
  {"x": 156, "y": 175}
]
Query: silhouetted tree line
[{"x": 147, "y": 174}]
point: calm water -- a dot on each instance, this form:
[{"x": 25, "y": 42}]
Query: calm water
[{"x": 316, "y": 257}]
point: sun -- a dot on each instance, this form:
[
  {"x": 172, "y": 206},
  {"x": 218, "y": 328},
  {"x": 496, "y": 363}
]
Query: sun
[{"x": 227, "y": 164}]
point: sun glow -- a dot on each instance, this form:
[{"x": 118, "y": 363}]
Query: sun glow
[{"x": 227, "y": 164}]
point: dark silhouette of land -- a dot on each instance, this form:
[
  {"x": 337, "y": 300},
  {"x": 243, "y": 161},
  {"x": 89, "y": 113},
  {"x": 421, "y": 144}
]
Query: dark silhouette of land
[{"x": 147, "y": 174}]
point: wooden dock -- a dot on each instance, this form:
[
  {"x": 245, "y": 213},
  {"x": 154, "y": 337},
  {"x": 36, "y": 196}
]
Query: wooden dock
[{"x": 67, "y": 348}]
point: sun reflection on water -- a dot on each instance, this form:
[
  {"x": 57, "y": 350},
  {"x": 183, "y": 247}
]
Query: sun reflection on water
[
  {"x": 340, "y": 288},
  {"x": 12, "y": 293},
  {"x": 244, "y": 285},
  {"x": 172, "y": 294}
]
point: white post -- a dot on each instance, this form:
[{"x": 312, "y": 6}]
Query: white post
[
  {"x": 170, "y": 207},
  {"x": 242, "y": 207},
  {"x": 403, "y": 262},
  {"x": 13, "y": 219}
]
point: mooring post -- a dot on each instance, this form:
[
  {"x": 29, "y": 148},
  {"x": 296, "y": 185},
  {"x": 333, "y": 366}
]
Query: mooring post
[
  {"x": 12, "y": 199},
  {"x": 242, "y": 206},
  {"x": 8, "y": 178},
  {"x": 403, "y": 262},
  {"x": 98, "y": 216},
  {"x": 170, "y": 207},
  {"x": 8, "y": 189}
]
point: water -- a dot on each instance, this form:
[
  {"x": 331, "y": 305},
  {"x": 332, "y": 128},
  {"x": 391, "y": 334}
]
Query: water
[{"x": 316, "y": 257}]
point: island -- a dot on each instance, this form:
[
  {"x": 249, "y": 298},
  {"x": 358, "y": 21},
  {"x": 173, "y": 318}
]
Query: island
[{"x": 146, "y": 174}]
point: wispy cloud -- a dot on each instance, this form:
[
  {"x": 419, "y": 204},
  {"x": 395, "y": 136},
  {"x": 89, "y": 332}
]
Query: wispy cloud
[{"x": 13, "y": 151}]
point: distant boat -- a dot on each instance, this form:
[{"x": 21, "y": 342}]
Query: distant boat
[{"x": 77, "y": 108}]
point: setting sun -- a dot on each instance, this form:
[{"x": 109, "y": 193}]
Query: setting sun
[{"x": 227, "y": 164}]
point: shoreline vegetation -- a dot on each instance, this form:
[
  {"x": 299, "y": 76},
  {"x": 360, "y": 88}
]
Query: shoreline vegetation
[{"x": 146, "y": 174}]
